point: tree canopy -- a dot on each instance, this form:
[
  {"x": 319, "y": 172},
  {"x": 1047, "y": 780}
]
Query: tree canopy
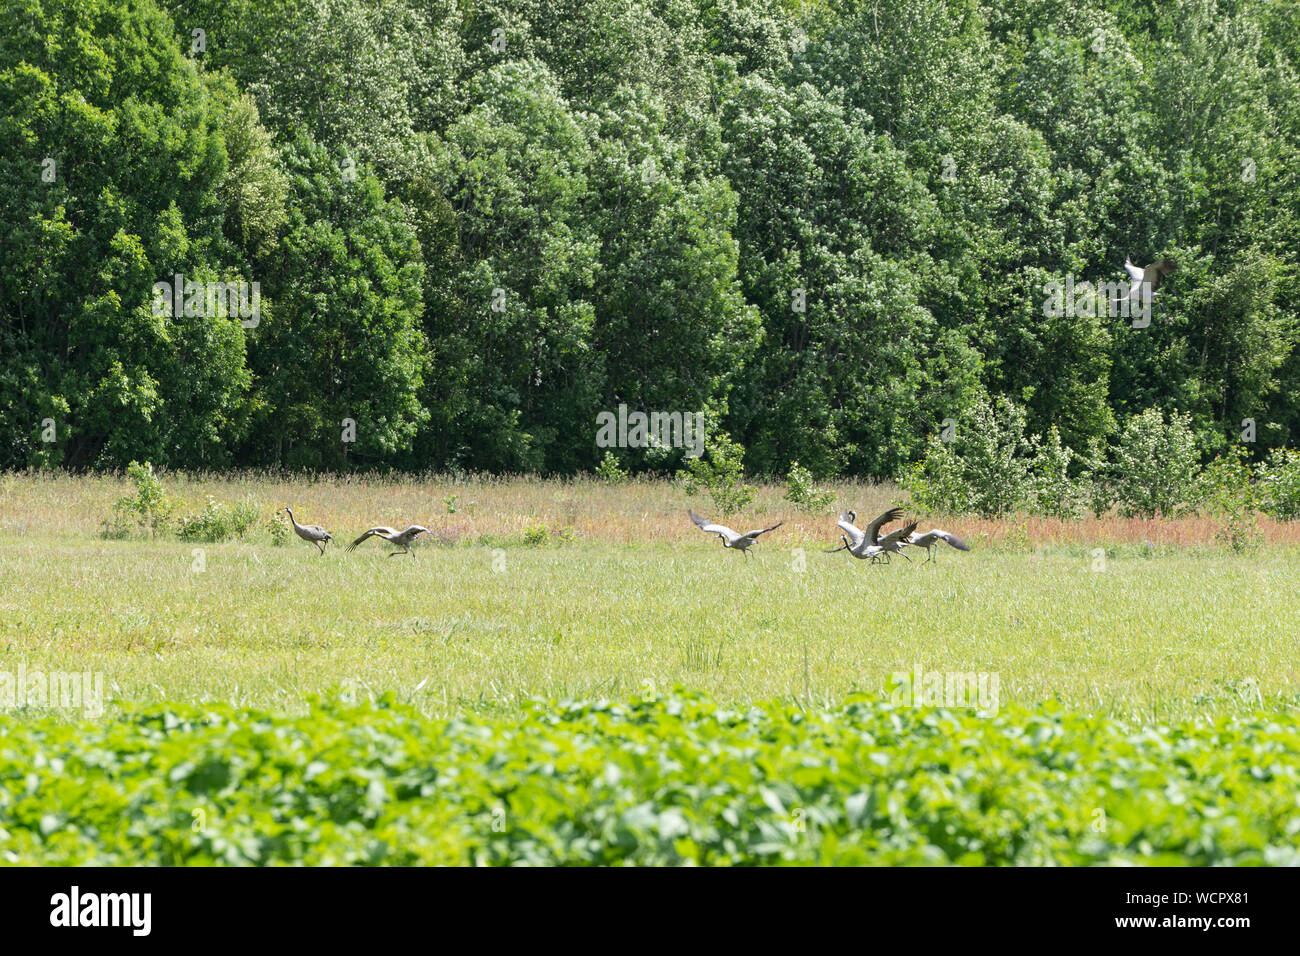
[{"x": 828, "y": 225}]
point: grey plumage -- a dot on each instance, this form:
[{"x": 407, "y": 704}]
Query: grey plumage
[
  {"x": 931, "y": 539},
  {"x": 731, "y": 539},
  {"x": 1149, "y": 276},
  {"x": 309, "y": 532},
  {"x": 401, "y": 539},
  {"x": 891, "y": 543},
  {"x": 870, "y": 543}
]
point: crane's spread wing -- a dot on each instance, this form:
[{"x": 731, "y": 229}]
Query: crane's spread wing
[
  {"x": 1134, "y": 272},
  {"x": 855, "y": 533},
  {"x": 1156, "y": 272},
  {"x": 755, "y": 534},
  {"x": 873, "y": 529},
  {"x": 952, "y": 539},
  {"x": 898, "y": 534},
  {"x": 383, "y": 531},
  {"x": 710, "y": 527}
]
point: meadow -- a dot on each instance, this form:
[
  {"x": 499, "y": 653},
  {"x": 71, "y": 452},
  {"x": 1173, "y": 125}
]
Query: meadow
[
  {"x": 533, "y": 588},
  {"x": 570, "y": 672}
]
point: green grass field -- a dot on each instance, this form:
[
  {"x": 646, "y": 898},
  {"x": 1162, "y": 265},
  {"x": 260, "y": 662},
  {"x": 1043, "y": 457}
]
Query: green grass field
[
  {"x": 1136, "y": 649},
  {"x": 486, "y": 626}
]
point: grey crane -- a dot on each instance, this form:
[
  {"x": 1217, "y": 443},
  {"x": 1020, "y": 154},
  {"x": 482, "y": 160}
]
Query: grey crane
[
  {"x": 891, "y": 543},
  {"x": 870, "y": 543},
  {"x": 402, "y": 539},
  {"x": 931, "y": 539},
  {"x": 1150, "y": 276},
  {"x": 309, "y": 532},
  {"x": 731, "y": 539}
]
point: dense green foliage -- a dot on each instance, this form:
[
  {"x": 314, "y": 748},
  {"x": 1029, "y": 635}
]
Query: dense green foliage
[
  {"x": 988, "y": 465},
  {"x": 673, "y": 780},
  {"x": 829, "y": 226}
]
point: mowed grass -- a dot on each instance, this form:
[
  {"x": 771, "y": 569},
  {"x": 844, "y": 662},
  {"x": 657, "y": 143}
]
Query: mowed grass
[{"x": 469, "y": 627}]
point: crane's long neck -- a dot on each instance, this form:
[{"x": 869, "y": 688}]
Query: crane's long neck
[{"x": 293, "y": 521}]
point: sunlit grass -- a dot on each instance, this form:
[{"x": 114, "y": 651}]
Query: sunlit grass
[
  {"x": 475, "y": 627},
  {"x": 495, "y": 510}
]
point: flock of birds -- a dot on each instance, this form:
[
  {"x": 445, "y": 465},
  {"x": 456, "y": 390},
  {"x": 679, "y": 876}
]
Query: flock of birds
[
  {"x": 868, "y": 544},
  {"x": 320, "y": 537}
]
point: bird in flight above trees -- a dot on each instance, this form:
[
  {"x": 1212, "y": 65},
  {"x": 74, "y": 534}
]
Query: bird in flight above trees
[{"x": 1150, "y": 276}]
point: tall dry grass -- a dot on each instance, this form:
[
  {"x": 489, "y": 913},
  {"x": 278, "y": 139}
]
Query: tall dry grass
[{"x": 640, "y": 511}]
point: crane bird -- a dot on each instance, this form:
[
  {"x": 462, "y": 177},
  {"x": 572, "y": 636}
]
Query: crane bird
[
  {"x": 393, "y": 536},
  {"x": 309, "y": 532},
  {"x": 890, "y": 543},
  {"x": 731, "y": 539},
  {"x": 870, "y": 543},
  {"x": 1150, "y": 276},
  {"x": 857, "y": 535},
  {"x": 931, "y": 539}
]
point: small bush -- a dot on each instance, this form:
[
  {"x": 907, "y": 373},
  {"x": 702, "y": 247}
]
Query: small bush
[
  {"x": 149, "y": 509},
  {"x": 1155, "y": 465},
  {"x": 277, "y": 529},
  {"x": 609, "y": 471},
  {"x": 986, "y": 469},
  {"x": 720, "y": 472},
  {"x": 218, "y": 522},
  {"x": 935, "y": 483},
  {"x": 1101, "y": 493},
  {"x": 1054, "y": 494},
  {"x": 536, "y": 535},
  {"x": 244, "y": 516},
  {"x": 803, "y": 494},
  {"x": 1226, "y": 489},
  {"x": 1279, "y": 479}
]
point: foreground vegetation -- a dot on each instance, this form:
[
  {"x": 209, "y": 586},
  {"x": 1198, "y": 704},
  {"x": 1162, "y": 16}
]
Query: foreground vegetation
[
  {"x": 269, "y": 705},
  {"x": 672, "y": 780}
]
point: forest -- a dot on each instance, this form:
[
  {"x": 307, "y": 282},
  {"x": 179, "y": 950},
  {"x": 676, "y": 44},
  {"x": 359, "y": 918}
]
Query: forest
[{"x": 828, "y": 227}]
